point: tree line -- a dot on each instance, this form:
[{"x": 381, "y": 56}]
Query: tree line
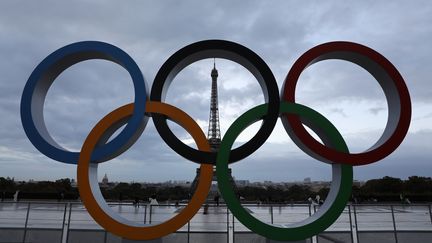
[{"x": 386, "y": 189}]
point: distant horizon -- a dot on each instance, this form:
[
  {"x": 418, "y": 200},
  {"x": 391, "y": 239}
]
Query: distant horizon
[{"x": 181, "y": 181}]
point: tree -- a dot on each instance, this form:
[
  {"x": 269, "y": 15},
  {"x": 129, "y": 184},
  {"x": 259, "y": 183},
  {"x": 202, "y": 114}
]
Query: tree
[
  {"x": 416, "y": 184},
  {"x": 7, "y": 184},
  {"x": 298, "y": 193},
  {"x": 385, "y": 185}
]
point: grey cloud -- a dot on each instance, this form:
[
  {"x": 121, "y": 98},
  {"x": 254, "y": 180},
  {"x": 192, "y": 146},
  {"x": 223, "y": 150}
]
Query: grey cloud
[
  {"x": 429, "y": 115},
  {"x": 376, "y": 110},
  {"x": 151, "y": 31},
  {"x": 338, "y": 111}
]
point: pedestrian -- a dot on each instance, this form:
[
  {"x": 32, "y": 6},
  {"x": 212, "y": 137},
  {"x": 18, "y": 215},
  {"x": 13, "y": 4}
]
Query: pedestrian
[
  {"x": 216, "y": 199},
  {"x": 16, "y": 196},
  {"x": 318, "y": 199},
  {"x": 136, "y": 202},
  {"x": 3, "y": 196},
  {"x": 153, "y": 200},
  {"x": 206, "y": 206}
]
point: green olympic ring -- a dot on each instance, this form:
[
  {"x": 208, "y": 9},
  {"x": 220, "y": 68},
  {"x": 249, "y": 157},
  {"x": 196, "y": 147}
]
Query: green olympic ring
[{"x": 340, "y": 189}]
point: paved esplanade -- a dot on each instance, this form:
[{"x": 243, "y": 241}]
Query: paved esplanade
[{"x": 412, "y": 222}]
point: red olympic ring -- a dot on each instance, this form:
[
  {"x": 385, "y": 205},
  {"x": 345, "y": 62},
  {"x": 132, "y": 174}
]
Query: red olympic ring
[{"x": 394, "y": 87}]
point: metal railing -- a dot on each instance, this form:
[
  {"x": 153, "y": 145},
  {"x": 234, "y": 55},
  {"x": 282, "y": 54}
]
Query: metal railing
[{"x": 70, "y": 222}]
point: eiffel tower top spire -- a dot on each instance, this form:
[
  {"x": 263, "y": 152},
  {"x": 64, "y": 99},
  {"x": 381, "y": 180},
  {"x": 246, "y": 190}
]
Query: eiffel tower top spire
[{"x": 214, "y": 135}]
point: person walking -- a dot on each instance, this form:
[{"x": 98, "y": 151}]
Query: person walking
[
  {"x": 16, "y": 196},
  {"x": 153, "y": 200},
  {"x": 216, "y": 199},
  {"x": 318, "y": 199},
  {"x": 136, "y": 202}
]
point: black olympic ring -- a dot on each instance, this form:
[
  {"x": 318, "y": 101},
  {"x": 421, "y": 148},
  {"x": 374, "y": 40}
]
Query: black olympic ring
[{"x": 219, "y": 49}]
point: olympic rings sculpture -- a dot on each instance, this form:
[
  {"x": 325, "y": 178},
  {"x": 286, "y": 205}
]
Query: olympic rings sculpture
[{"x": 96, "y": 148}]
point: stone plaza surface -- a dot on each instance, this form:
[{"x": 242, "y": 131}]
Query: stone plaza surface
[{"x": 70, "y": 222}]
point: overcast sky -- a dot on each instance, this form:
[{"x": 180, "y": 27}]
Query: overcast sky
[{"x": 278, "y": 31}]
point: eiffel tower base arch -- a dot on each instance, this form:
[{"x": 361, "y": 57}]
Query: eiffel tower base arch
[{"x": 214, "y": 190}]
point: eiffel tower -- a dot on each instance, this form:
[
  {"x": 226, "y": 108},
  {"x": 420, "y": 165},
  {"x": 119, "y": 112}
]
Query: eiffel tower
[{"x": 213, "y": 135}]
